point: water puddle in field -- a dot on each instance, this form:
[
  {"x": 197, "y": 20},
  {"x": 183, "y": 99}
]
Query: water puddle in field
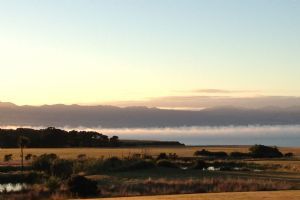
[
  {"x": 211, "y": 168},
  {"x": 12, "y": 187}
]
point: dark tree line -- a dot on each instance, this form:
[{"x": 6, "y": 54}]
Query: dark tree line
[{"x": 54, "y": 138}]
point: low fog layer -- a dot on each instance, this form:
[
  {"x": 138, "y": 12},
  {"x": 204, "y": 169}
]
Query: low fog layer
[
  {"x": 229, "y": 135},
  {"x": 280, "y": 135}
]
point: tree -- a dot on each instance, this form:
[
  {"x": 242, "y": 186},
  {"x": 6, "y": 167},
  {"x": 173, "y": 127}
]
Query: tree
[
  {"x": 22, "y": 142},
  {"x": 114, "y": 140},
  {"x": 261, "y": 151}
]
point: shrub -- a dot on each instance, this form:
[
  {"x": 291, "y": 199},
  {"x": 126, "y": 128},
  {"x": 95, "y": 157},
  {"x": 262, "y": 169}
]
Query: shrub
[
  {"x": 200, "y": 164},
  {"x": 82, "y": 187},
  {"x": 166, "y": 163},
  {"x": 146, "y": 156},
  {"x": 7, "y": 157},
  {"x": 237, "y": 154},
  {"x": 53, "y": 184},
  {"x": 140, "y": 164},
  {"x": 173, "y": 156},
  {"x": 28, "y": 156},
  {"x": 162, "y": 156},
  {"x": 112, "y": 164},
  {"x": 62, "y": 168},
  {"x": 44, "y": 162},
  {"x": 261, "y": 151},
  {"x": 289, "y": 155},
  {"x": 204, "y": 152}
]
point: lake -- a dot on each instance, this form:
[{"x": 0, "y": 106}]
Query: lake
[
  {"x": 287, "y": 135},
  {"x": 280, "y": 135}
]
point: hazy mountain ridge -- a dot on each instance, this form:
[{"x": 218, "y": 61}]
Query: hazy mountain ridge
[{"x": 116, "y": 117}]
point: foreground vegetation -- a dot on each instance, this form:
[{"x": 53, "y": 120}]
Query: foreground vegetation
[{"x": 141, "y": 171}]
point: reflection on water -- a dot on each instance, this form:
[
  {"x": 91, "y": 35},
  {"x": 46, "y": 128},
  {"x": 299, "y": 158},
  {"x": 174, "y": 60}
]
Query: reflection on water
[{"x": 9, "y": 187}]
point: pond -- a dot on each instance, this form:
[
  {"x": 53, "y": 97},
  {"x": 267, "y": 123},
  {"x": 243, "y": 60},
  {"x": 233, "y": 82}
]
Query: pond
[{"x": 12, "y": 187}]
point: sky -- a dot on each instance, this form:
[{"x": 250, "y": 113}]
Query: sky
[{"x": 95, "y": 52}]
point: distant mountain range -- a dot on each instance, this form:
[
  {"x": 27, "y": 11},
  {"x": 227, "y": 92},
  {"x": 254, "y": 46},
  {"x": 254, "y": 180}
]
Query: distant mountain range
[{"x": 141, "y": 117}]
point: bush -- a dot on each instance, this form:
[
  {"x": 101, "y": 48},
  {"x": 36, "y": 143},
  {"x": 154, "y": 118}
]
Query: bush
[
  {"x": 289, "y": 155},
  {"x": 200, "y": 164},
  {"x": 7, "y": 157},
  {"x": 204, "y": 152},
  {"x": 62, "y": 168},
  {"x": 112, "y": 164},
  {"x": 53, "y": 184},
  {"x": 166, "y": 163},
  {"x": 237, "y": 154},
  {"x": 162, "y": 156},
  {"x": 261, "y": 151},
  {"x": 18, "y": 177},
  {"x": 28, "y": 156},
  {"x": 140, "y": 164},
  {"x": 44, "y": 162},
  {"x": 172, "y": 156},
  {"x": 82, "y": 187}
]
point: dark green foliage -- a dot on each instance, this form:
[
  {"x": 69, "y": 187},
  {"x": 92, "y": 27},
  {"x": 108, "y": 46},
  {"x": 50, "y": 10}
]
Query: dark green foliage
[
  {"x": 200, "y": 164},
  {"x": 7, "y": 157},
  {"x": 289, "y": 155},
  {"x": 111, "y": 164},
  {"x": 237, "y": 154},
  {"x": 23, "y": 141},
  {"x": 261, "y": 151},
  {"x": 17, "y": 177},
  {"x": 61, "y": 168},
  {"x": 56, "y": 138},
  {"x": 162, "y": 156},
  {"x": 9, "y": 168},
  {"x": 114, "y": 141},
  {"x": 44, "y": 162},
  {"x": 166, "y": 163},
  {"x": 53, "y": 184},
  {"x": 206, "y": 153},
  {"x": 52, "y": 137},
  {"x": 140, "y": 164},
  {"x": 82, "y": 187}
]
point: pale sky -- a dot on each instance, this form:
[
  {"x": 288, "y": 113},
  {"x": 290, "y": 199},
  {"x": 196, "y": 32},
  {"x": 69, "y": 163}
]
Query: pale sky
[{"x": 91, "y": 52}]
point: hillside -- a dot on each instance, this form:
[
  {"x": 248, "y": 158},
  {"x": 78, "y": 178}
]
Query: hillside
[{"x": 117, "y": 117}]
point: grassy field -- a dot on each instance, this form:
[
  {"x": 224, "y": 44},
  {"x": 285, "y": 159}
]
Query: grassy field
[
  {"x": 120, "y": 152},
  {"x": 278, "y": 195},
  {"x": 266, "y": 176}
]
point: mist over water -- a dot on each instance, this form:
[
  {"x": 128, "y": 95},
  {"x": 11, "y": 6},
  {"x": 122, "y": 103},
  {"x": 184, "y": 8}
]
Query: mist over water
[{"x": 286, "y": 135}]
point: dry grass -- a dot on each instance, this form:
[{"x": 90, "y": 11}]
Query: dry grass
[
  {"x": 205, "y": 185},
  {"x": 108, "y": 152},
  {"x": 278, "y": 195},
  {"x": 285, "y": 165}
]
